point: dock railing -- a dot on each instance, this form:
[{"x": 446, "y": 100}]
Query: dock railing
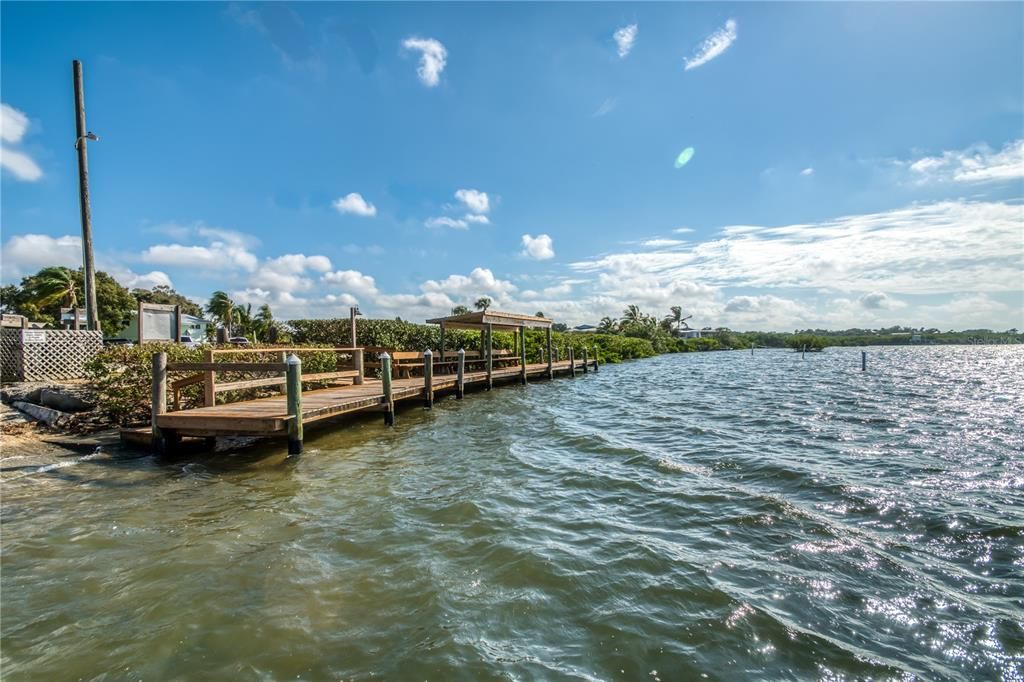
[{"x": 208, "y": 369}]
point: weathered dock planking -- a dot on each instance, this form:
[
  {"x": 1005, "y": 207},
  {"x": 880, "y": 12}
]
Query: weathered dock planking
[{"x": 285, "y": 414}]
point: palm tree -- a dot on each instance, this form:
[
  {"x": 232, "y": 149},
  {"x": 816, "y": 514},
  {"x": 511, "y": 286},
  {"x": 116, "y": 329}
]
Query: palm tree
[
  {"x": 608, "y": 326},
  {"x": 264, "y": 322},
  {"x": 675, "y": 318},
  {"x": 243, "y": 314},
  {"x": 222, "y": 308},
  {"x": 55, "y": 285},
  {"x": 632, "y": 315},
  {"x": 460, "y": 310},
  {"x": 482, "y": 303}
]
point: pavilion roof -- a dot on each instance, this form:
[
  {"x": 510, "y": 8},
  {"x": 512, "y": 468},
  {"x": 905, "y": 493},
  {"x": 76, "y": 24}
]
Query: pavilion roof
[{"x": 499, "y": 320}]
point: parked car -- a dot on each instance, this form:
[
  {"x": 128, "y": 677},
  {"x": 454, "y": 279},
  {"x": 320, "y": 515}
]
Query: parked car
[
  {"x": 239, "y": 340},
  {"x": 188, "y": 341},
  {"x": 118, "y": 342}
]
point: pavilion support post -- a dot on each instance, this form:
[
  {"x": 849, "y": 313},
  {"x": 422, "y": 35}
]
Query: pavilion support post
[
  {"x": 586, "y": 363},
  {"x": 388, "y": 400},
  {"x": 294, "y": 384},
  {"x": 159, "y": 404},
  {"x": 522, "y": 353},
  {"x": 428, "y": 379},
  {"x": 442, "y": 348},
  {"x": 490, "y": 356},
  {"x": 572, "y": 362},
  {"x": 551, "y": 366},
  {"x": 209, "y": 381},
  {"x": 357, "y": 360},
  {"x": 460, "y": 377}
]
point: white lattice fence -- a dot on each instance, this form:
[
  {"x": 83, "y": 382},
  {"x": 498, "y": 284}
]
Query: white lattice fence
[{"x": 46, "y": 354}]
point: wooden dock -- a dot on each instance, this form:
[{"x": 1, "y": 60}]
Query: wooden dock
[
  {"x": 271, "y": 416},
  {"x": 390, "y": 378}
]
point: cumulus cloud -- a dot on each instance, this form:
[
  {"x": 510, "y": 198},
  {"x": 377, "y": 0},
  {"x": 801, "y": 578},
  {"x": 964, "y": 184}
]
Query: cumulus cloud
[
  {"x": 474, "y": 218},
  {"x": 288, "y": 273},
  {"x": 26, "y": 253},
  {"x": 807, "y": 171},
  {"x": 433, "y": 57},
  {"x": 937, "y": 248},
  {"x": 978, "y": 163},
  {"x": 445, "y": 221},
  {"x": 713, "y": 46},
  {"x": 625, "y": 38},
  {"x": 352, "y": 282},
  {"x": 661, "y": 243},
  {"x": 354, "y": 203},
  {"x": 13, "y": 126},
  {"x": 481, "y": 281},
  {"x": 537, "y": 248},
  {"x": 879, "y": 300},
  {"x": 474, "y": 200},
  {"x": 224, "y": 249}
]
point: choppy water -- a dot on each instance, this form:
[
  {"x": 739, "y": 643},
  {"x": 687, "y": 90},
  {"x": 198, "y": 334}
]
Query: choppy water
[{"x": 694, "y": 516}]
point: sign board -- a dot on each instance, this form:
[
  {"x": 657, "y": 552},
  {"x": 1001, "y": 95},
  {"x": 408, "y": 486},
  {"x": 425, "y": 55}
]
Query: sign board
[{"x": 33, "y": 336}]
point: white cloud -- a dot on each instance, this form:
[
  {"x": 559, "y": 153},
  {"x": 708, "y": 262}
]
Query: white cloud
[
  {"x": 26, "y": 253},
  {"x": 355, "y": 204},
  {"x": 13, "y": 125},
  {"x": 226, "y": 249},
  {"x": 537, "y": 248},
  {"x": 682, "y": 230},
  {"x": 479, "y": 219},
  {"x": 445, "y": 221},
  {"x": 879, "y": 300},
  {"x": 807, "y": 171},
  {"x": 433, "y": 57},
  {"x": 474, "y": 200},
  {"x": 606, "y": 107},
  {"x": 939, "y": 248},
  {"x": 288, "y": 273},
  {"x": 625, "y": 38},
  {"x": 978, "y": 163},
  {"x": 661, "y": 243},
  {"x": 713, "y": 46},
  {"x": 480, "y": 282},
  {"x": 352, "y": 282}
]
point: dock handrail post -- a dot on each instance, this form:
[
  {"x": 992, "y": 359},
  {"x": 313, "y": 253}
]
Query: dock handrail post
[
  {"x": 385, "y": 378},
  {"x": 357, "y": 359},
  {"x": 294, "y": 384},
  {"x": 586, "y": 362},
  {"x": 522, "y": 353},
  {"x": 428, "y": 379},
  {"x": 572, "y": 362},
  {"x": 209, "y": 382},
  {"x": 159, "y": 396},
  {"x": 863, "y": 361},
  {"x": 490, "y": 356},
  {"x": 597, "y": 361},
  {"x": 460, "y": 377},
  {"x": 551, "y": 366}
]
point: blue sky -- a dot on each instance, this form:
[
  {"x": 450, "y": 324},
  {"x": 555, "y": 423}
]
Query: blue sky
[{"x": 856, "y": 164}]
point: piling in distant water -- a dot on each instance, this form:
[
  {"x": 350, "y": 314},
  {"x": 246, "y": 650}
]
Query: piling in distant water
[{"x": 863, "y": 361}]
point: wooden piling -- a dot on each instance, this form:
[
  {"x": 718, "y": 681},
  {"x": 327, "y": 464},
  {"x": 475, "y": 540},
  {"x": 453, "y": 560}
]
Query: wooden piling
[
  {"x": 490, "y": 356},
  {"x": 586, "y": 363},
  {"x": 357, "y": 360},
  {"x": 385, "y": 378},
  {"x": 294, "y": 388},
  {"x": 522, "y": 354},
  {"x": 460, "y": 377},
  {"x": 159, "y": 401},
  {"x": 428, "y": 379},
  {"x": 209, "y": 381},
  {"x": 863, "y": 361},
  {"x": 551, "y": 366},
  {"x": 572, "y": 362}
]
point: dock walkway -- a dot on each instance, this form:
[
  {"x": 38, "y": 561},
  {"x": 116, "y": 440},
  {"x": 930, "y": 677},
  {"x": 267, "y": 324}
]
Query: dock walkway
[{"x": 270, "y": 416}]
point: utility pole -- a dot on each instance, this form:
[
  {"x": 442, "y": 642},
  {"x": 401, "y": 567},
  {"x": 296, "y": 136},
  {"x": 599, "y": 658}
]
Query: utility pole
[{"x": 92, "y": 319}]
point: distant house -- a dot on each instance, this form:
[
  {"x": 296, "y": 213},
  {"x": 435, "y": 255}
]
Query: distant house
[
  {"x": 584, "y": 328},
  {"x": 689, "y": 333},
  {"x": 191, "y": 325}
]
